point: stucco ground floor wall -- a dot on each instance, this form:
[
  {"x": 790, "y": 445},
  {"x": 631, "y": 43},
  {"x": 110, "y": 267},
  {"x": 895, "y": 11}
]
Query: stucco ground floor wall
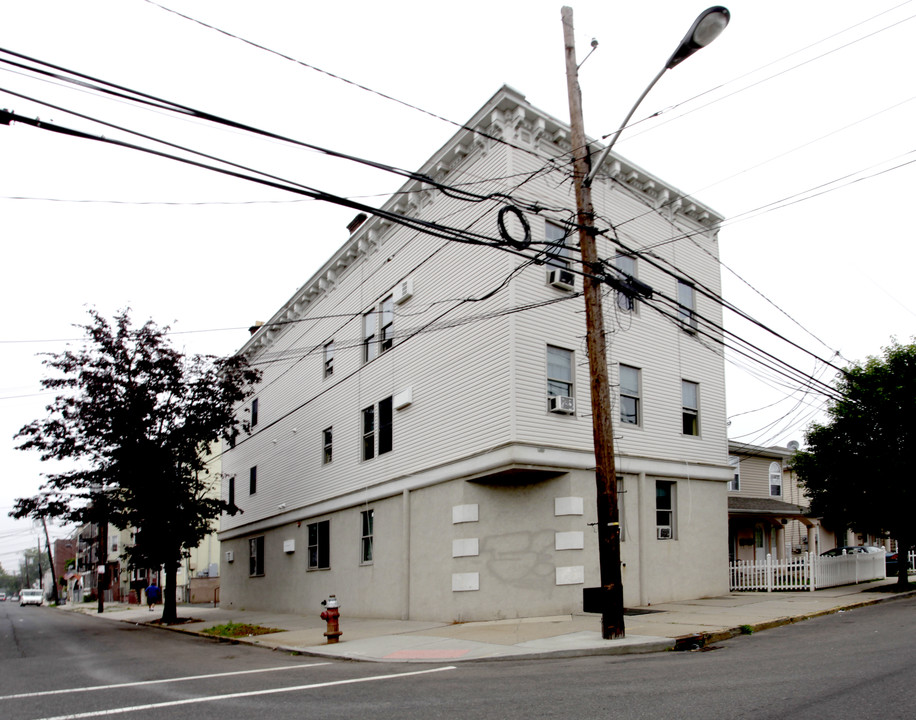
[{"x": 518, "y": 540}]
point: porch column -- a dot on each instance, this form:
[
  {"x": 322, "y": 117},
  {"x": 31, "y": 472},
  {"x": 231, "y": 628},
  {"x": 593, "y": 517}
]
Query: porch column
[
  {"x": 780, "y": 542},
  {"x": 813, "y": 539}
]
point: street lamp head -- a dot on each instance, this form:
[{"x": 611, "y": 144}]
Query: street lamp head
[{"x": 706, "y": 28}]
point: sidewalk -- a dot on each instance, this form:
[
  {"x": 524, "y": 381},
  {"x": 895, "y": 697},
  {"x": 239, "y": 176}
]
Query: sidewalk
[{"x": 683, "y": 625}]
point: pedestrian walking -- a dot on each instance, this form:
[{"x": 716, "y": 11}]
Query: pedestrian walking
[{"x": 152, "y": 595}]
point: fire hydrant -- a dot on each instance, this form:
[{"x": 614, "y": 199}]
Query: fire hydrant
[{"x": 332, "y": 616}]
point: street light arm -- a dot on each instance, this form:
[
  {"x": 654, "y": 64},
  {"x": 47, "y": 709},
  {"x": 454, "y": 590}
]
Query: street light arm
[
  {"x": 604, "y": 153},
  {"x": 707, "y": 27}
]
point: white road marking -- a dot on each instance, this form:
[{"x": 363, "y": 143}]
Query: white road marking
[
  {"x": 233, "y": 696},
  {"x": 95, "y": 688}
]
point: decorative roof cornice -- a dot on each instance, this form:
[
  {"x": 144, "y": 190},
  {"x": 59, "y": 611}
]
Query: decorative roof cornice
[{"x": 506, "y": 116}]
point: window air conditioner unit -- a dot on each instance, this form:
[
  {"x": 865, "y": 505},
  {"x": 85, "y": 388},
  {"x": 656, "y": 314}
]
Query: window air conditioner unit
[
  {"x": 402, "y": 291},
  {"x": 561, "y": 404},
  {"x": 664, "y": 533},
  {"x": 562, "y": 279},
  {"x": 230, "y": 556}
]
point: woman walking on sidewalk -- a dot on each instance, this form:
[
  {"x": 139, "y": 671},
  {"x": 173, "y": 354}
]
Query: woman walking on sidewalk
[{"x": 152, "y": 595}]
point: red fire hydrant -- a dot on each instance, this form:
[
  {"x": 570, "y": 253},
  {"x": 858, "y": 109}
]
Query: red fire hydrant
[{"x": 332, "y": 616}]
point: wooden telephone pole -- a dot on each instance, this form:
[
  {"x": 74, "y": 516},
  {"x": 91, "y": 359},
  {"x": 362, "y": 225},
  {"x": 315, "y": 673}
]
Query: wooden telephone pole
[{"x": 609, "y": 597}]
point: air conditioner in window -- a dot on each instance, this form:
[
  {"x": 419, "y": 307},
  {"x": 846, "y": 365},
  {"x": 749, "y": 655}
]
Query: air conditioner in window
[
  {"x": 562, "y": 279},
  {"x": 664, "y": 533},
  {"x": 561, "y": 404},
  {"x": 230, "y": 556}
]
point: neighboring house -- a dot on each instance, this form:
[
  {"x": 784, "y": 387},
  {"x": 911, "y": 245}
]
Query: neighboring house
[
  {"x": 421, "y": 440},
  {"x": 82, "y": 581},
  {"x": 767, "y": 510}
]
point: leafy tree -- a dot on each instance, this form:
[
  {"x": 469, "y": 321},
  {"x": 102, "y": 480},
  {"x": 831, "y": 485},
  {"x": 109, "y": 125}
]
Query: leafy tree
[
  {"x": 858, "y": 467},
  {"x": 137, "y": 419}
]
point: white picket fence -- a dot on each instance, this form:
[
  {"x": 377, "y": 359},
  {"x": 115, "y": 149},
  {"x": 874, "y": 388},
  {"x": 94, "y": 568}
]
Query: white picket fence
[{"x": 806, "y": 572}]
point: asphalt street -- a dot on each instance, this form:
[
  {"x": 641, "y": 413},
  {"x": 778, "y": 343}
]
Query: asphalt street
[{"x": 55, "y": 665}]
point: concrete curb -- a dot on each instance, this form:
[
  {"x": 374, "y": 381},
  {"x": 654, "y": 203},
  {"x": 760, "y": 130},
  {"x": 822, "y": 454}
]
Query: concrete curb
[
  {"x": 706, "y": 638},
  {"x": 644, "y": 645}
]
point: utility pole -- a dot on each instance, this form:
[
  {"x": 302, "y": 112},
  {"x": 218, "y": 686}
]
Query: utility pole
[
  {"x": 610, "y": 594},
  {"x": 54, "y": 597}
]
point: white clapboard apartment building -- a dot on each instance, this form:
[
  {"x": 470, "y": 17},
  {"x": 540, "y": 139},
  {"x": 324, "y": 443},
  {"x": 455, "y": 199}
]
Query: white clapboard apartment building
[{"x": 422, "y": 442}]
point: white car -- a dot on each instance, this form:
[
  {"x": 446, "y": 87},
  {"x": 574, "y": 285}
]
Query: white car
[{"x": 31, "y": 597}]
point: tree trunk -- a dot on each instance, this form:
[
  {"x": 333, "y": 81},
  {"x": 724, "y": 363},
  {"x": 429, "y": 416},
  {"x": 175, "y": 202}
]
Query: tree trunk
[{"x": 169, "y": 604}]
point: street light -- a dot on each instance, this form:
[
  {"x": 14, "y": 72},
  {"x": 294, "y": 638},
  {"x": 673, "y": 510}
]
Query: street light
[
  {"x": 609, "y": 596},
  {"x": 706, "y": 28}
]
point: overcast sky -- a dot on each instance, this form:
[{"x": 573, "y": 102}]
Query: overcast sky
[{"x": 795, "y": 125}]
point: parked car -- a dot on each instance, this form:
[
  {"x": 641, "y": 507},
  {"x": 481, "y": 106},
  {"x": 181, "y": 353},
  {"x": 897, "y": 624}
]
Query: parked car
[
  {"x": 14, "y": 598},
  {"x": 2, "y": 596},
  {"x": 890, "y": 564},
  {"x": 31, "y": 597}
]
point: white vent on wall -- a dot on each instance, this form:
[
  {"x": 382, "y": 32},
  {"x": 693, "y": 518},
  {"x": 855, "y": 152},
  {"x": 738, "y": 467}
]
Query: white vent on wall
[
  {"x": 664, "y": 533},
  {"x": 230, "y": 556},
  {"x": 562, "y": 279},
  {"x": 561, "y": 404},
  {"x": 402, "y": 291}
]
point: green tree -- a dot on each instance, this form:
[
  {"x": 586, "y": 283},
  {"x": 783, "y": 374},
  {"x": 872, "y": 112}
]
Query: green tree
[
  {"x": 137, "y": 419},
  {"x": 858, "y": 467}
]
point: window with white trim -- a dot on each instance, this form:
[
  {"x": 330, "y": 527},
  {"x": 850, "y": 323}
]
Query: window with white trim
[
  {"x": 367, "y": 522},
  {"x": 256, "y": 556},
  {"x": 775, "y": 479},
  {"x": 627, "y": 264},
  {"x": 378, "y": 329},
  {"x": 319, "y": 551},
  {"x": 327, "y": 442},
  {"x": 370, "y": 339},
  {"x": 665, "y": 510},
  {"x": 329, "y": 358},
  {"x": 378, "y": 429},
  {"x": 558, "y": 252},
  {"x": 254, "y": 412},
  {"x": 734, "y": 485},
  {"x": 687, "y": 305},
  {"x": 630, "y": 412},
  {"x": 252, "y": 479},
  {"x": 690, "y": 410},
  {"x": 559, "y": 371},
  {"x": 386, "y": 332}
]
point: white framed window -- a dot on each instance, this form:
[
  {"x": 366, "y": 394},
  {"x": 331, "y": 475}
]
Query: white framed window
[
  {"x": 558, "y": 252},
  {"x": 378, "y": 329},
  {"x": 627, "y": 264},
  {"x": 329, "y": 358},
  {"x": 252, "y": 479},
  {"x": 319, "y": 552},
  {"x": 687, "y": 305},
  {"x": 256, "y": 556},
  {"x": 378, "y": 429},
  {"x": 734, "y": 484},
  {"x": 254, "y": 412},
  {"x": 386, "y": 332},
  {"x": 775, "y": 479},
  {"x": 231, "y": 498},
  {"x": 690, "y": 411},
  {"x": 630, "y": 411},
  {"x": 327, "y": 444},
  {"x": 367, "y": 523},
  {"x": 559, "y": 371},
  {"x": 370, "y": 338},
  {"x": 665, "y": 510}
]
